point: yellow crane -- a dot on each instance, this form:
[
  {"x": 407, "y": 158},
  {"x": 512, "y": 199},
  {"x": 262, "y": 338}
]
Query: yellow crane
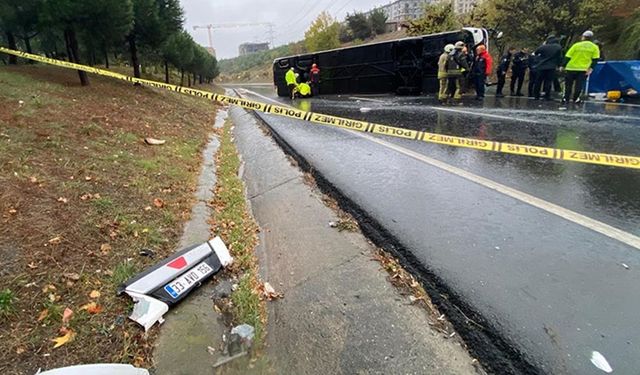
[{"x": 210, "y": 27}]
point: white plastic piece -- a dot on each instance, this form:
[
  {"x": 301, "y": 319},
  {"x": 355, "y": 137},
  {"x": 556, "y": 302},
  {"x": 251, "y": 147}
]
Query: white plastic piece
[
  {"x": 146, "y": 310},
  {"x": 221, "y": 251},
  {"x": 601, "y": 362},
  {"x": 97, "y": 369}
]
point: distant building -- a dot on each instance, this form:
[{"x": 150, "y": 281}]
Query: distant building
[
  {"x": 463, "y": 6},
  {"x": 405, "y": 10},
  {"x": 248, "y": 48}
]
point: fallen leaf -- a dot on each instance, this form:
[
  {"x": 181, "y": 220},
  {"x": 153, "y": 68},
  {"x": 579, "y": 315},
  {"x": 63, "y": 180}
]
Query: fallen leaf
[
  {"x": 269, "y": 292},
  {"x": 43, "y": 315},
  {"x": 71, "y": 276},
  {"x": 55, "y": 240},
  {"x": 48, "y": 288},
  {"x": 13, "y": 211},
  {"x": 52, "y": 297},
  {"x": 148, "y": 208},
  {"x": 96, "y": 196},
  {"x": 105, "y": 248},
  {"x": 64, "y": 339},
  {"x": 63, "y": 200},
  {"x": 66, "y": 316},
  {"x": 20, "y": 350},
  {"x": 84, "y": 197},
  {"x": 92, "y": 308},
  {"x": 33, "y": 180},
  {"x": 32, "y": 265},
  {"x": 158, "y": 202},
  {"x": 87, "y": 178},
  {"x": 94, "y": 294}
]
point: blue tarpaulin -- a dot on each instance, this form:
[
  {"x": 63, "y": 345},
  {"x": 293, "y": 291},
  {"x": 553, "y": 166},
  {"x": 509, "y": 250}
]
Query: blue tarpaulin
[{"x": 615, "y": 75}]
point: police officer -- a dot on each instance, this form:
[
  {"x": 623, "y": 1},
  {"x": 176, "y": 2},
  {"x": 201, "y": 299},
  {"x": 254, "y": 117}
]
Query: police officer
[
  {"x": 581, "y": 58},
  {"x": 518, "y": 71},
  {"x": 503, "y": 68}
]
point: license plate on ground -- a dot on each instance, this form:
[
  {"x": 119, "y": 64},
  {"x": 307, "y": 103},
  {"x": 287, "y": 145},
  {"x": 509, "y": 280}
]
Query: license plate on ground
[{"x": 186, "y": 281}]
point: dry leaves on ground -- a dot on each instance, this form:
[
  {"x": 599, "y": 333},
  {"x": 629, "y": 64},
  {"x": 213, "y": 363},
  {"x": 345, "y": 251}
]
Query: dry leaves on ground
[{"x": 64, "y": 339}]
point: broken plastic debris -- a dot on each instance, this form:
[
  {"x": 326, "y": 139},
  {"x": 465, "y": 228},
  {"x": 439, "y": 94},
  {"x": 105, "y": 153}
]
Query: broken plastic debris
[
  {"x": 154, "y": 141},
  {"x": 626, "y": 266},
  {"x": 168, "y": 282},
  {"x": 600, "y": 362},
  {"x": 245, "y": 331},
  {"x": 97, "y": 369}
]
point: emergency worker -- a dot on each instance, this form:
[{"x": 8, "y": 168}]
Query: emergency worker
[
  {"x": 314, "y": 75},
  {"x": 456, "y": 66},
  {"x": 481, "y": 70},
  {"x": 581, "y": 59},
  {"x": 443, "y": 92},
  {"x": 303, "y": 90},
  {"x": 290, "y": 78}
]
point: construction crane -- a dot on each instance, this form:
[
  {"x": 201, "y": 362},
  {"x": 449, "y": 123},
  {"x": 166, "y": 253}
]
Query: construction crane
[{"x": 210, "y": 27}]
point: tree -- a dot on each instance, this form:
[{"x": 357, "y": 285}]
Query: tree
[
  {"x": 69, "y": 16},
  {"x": 109, "y": 22},
  {"x": 322, "y": 34},
  {"x": 378, "y": 21},
  {"x": 178, "y": 51},
  {"x": 436, "y": 18},
  {"x": 19, "y": 19},
  {"x": 153, "y": 22},
  {"x": 359, "y": 25}
]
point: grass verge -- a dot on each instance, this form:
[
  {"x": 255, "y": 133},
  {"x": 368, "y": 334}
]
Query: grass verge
[
  {"x": 80, "y": 196},
  {"x": 233, "y": 222}
]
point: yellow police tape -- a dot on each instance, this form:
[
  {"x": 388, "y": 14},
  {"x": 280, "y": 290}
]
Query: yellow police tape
[{"x": 363, "y": 126}]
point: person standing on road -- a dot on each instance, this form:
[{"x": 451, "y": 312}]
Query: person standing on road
[
  {"x": 443, "y": 92},
  {"x": 518, "y": 71},
  {"x": 581, "y": 58},
  {"x": 549, "y": 58},
  {"x": 481, "y": 70},
  {"x": 456, "y": 66},
  {"x": 533, "y": 60},
  {"x": 314, "y": 75},
  {"x": 501, "y": 72},
  {"x": 292, "y": 84}
]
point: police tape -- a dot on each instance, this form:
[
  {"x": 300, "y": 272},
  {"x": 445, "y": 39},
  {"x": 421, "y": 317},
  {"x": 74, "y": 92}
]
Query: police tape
[{"x": 623, "y": 161}]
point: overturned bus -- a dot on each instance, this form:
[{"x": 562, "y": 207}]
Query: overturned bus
[{"x": 407, "y": 66}]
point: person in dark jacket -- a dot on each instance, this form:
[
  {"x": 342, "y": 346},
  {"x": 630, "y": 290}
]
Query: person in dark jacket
[
  {"x": 533, "y": 59},
  {"x": 518, "y": 71},
  {"x": 503, "y": 68},
  {"x": 456, "y": 66},
  {"x": 481, "y": 70},
  {"x": 315, "y": 79},
  {"x": 549, "y": 57}
]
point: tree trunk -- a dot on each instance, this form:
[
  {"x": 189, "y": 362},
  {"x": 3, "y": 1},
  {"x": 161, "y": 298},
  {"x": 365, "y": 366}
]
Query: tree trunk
[
  {"x": 194, "y": 79},
  {"x": 27, "y": 44},
  {"x": 166, "y": 71},
  {"x": 75, "y": 54},
  {"x": 13, "y": 60},
  {"x": 133, "y": 49},
  {"x": 189, "y": 79},
  {"x": 200, "y": 80},
  {"x": 106, "y": 58},
  {"x": 181, "y": 77}
]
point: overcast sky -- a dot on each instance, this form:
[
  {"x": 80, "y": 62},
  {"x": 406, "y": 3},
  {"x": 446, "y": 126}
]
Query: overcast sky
[{"x": 290, "y": 17}]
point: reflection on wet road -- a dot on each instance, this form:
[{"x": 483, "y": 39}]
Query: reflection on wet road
[
  {"x": 557, "y": 290},
  {"x": 608, "y": 194}
]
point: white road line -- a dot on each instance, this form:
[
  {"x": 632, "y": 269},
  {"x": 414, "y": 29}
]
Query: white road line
[
  {"x": 366, "y": 99},
  {"x": 574, "y": 217},
  {"x": 482, "y": 114}
]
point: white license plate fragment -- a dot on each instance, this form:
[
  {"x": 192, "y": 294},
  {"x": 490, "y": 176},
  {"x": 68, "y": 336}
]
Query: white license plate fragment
[{"x": 186, "y": 281}]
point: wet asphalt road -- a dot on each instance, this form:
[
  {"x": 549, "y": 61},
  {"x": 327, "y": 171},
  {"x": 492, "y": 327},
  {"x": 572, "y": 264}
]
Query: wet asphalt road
[{"x": 557, "y": 290}]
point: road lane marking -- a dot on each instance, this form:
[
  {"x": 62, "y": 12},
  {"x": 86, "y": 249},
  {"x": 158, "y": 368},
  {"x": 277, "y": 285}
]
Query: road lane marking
[
  {"x": 562, "y": 212},
  {"x": 572, "y": 216},
  {"x": 483, "y": 114}
]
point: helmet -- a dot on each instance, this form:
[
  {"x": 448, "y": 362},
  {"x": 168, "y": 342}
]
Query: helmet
[
  {"x": 448, "y": 48},
  {"x": 588, "y": 34},
  {"x": 459, "y": 45}
]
